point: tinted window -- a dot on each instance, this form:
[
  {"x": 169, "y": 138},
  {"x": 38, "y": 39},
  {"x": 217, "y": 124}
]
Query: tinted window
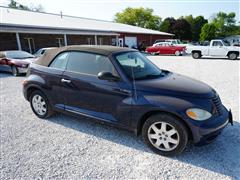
[
  {"x": 87, "y": 63},
  {"x": 60, "y": 61}
]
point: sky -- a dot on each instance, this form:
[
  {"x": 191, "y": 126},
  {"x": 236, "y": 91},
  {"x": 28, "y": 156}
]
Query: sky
[{"x": 106, "y": 9}]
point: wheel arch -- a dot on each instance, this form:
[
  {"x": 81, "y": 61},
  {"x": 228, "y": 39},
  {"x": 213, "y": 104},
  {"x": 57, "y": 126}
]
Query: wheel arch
[
  {"x": 31, "y": 89},
  {"x": 150, "y": 113},
  {"x": 196, "y": 51},
  {"x": 236, "y": 52}
]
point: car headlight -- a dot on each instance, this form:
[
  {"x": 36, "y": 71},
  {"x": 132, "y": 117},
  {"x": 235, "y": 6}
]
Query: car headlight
[
  {"x": 198, "y": 114},
  {"x": 24, "y": 65}
]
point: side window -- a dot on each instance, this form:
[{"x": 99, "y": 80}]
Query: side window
[
  {"x": 87, "y": 63},
  {"x": 60, "y": 61},
  {"x": 43, "y": 51},
  {"x": 217, "y": 43}
]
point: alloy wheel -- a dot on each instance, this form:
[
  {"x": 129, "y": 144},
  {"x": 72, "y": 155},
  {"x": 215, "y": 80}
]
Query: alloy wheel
[
  {"x": 163, "y": 136},
  {"x": 39, "y": 105}
]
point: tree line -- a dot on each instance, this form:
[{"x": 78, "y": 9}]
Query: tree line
[
  {"x": 185, "y": 27},
  {"x": 16, "y": 5}
]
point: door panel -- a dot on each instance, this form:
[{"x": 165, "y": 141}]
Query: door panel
[
  {"x": 217, "y": 51},
  {"x": 100, "y": 99},
  {"x": 53, "y": 76},
  {"x": 87, "y": 95}
]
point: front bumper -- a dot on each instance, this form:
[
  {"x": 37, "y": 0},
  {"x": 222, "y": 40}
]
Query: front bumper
[
  {"x": 22, "y": 70},
  {"x": 206, "y": 132}
]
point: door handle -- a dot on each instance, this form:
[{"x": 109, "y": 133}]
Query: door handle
[{"x": 65, "y": 81}]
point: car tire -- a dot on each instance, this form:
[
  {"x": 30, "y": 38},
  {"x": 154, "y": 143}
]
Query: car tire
[
  {"x": 40, "y": 104},
  {"x": 15, "y": 71},
  {"x": 196, "y": 55},
  {"x": 232, "y": 56},
  {"x": 177, "y": 53},
  {"x": 165, "y": 134}
]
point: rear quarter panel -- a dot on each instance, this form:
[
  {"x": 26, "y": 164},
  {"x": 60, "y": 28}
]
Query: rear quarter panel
[{"x": 47, "y": 80}]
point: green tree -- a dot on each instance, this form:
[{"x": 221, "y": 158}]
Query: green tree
[
  {"x": 198, "y": 23},
  {"x": 15, "y": 5},
  {"x": 141, "y": 17},
  {"x": 167, "y": 25},
  {"x": 208, "y": 32},
  {"x": 225, "y": 23},
  {"x": 182, "y": 29},
  {"x": 189, "y": 19}
]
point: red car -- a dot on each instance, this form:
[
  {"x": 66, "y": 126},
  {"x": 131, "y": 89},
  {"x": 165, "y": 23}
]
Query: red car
[
  {"x": 16, "y": 61},
  {"x": 166, "y": 48}
]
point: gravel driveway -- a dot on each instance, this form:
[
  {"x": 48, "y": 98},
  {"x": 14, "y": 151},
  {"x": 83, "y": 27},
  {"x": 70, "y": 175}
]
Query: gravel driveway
[{"x": 67, "y": 148}]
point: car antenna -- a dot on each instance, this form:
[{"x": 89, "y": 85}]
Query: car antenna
[{"x": 134, "y": 84}]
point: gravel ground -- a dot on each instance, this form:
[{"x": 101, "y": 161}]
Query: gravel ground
[{"x": 68, "y": 148}]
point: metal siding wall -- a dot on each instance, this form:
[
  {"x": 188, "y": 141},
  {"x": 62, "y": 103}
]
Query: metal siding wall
[
  {"x": 40, "y": 40},
  {"x": 79, "y": 39},
  {"x": 147, "y": 38}
]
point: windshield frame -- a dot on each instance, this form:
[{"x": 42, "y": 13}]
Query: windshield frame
[{"x": 114, "y": 55}]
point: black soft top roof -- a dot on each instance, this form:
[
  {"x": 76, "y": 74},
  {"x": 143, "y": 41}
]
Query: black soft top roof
[{"x": 46, "y": 59}]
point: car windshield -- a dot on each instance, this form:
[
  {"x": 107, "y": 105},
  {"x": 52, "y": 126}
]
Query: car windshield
[
  {"x": 18, "y": 55},
  {"x": 179, "y": 42},
  {"x": 39, "y": 52},
  {"x": 226, "y": 43},
  {"x": 137, "y": 66}
]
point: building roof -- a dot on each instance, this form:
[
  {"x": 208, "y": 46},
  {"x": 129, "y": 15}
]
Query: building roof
[
  {"x": 46, "y": 59},
  {"x": 36, "y": 20}
]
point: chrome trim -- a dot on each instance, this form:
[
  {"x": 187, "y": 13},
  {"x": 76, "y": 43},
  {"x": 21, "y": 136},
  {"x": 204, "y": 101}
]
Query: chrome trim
[{"x": 87, "y": 115}]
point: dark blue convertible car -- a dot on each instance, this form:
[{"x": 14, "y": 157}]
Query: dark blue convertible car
[{"x": 121, "y": 87}]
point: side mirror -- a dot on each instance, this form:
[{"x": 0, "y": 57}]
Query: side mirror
[{"x": 107, "y": 76}]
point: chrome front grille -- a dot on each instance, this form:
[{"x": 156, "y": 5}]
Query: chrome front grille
[{"x": 217, "y": 105}]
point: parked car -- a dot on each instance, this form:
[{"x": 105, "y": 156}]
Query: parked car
[
  {"x": 175, "y": 42},
  {"x": 165, "y": 48},
  {"x": 41, "y": 51},
  {"x": 121, "y": 87},
  {"x": 16, "y": 61},
  {"x": 217, "y": 48}
]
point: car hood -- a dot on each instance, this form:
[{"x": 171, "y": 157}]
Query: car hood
[
  {"x": 236, "y": 48},
  {"x": 176, "y": 85},
  {"x": 24, "y": 61}
]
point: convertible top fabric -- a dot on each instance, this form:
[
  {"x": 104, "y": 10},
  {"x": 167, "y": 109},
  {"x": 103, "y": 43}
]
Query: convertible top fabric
[{"x": 46, "y": 59}]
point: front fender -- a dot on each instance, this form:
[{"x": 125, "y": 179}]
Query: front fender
[{"x": 147, "y": 104}]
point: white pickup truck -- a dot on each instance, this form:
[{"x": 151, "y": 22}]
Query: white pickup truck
[{"x": 217, "y": 48}]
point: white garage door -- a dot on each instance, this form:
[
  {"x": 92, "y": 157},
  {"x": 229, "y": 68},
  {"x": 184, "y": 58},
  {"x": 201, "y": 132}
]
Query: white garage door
[{"x": 131, "y": 41}]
